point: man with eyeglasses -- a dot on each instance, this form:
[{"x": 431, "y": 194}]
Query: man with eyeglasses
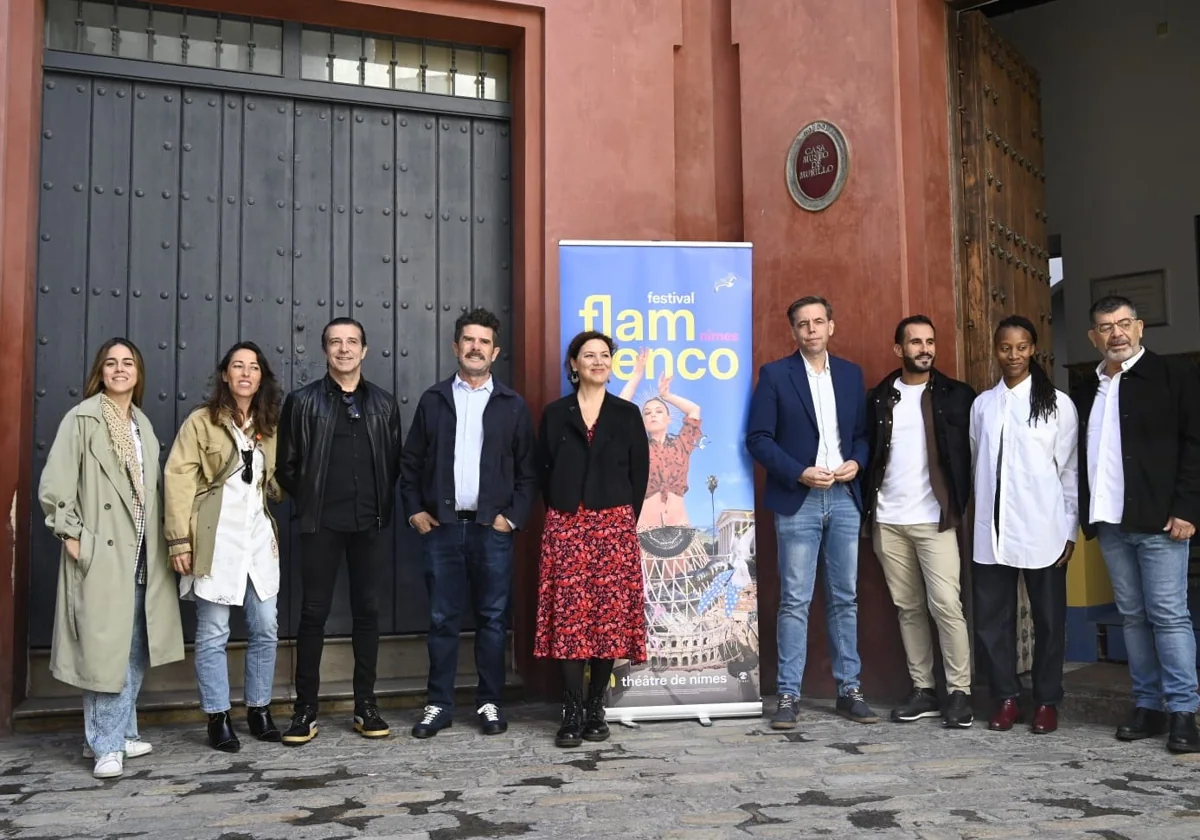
[
  {"x": 339, "y": 458},
  {"x": 1139, "y": 475},
  {"x": 468, "y": 479}
]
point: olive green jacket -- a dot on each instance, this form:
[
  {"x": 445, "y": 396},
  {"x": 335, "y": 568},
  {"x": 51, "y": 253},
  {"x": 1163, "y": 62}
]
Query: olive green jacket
[
  {"x": 85, "y": 494},
  {"x": 204, "y": 456}
]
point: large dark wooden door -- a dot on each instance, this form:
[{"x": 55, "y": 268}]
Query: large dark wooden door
[
  {"x": 189, "y": 219},
  {"x": 1006, "y": 266}
]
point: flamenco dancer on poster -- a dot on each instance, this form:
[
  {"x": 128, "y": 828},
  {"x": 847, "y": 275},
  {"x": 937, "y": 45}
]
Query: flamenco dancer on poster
[
  {"x": 593, "y": 462},
  {"x": 670, "y": 455}
]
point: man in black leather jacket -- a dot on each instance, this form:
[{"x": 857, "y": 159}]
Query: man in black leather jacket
[
  {"x": 339, "y": 458},
  {"x": 915, "y": 496}
]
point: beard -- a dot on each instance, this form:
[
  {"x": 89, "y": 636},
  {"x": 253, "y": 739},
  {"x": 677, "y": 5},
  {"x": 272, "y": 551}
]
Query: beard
[{"x": 915, "y": 365}]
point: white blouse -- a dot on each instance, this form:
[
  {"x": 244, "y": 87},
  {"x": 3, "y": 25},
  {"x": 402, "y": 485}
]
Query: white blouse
[
  {"x": 1039, "y": 486},
  {"x": 245, "y": 546}
]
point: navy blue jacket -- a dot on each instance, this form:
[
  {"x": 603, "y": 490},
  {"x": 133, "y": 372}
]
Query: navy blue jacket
[
  {"x": 508, "y": 480},
  {"x": 782, "y": 432}
]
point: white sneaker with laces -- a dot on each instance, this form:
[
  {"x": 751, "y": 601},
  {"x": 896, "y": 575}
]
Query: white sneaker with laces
[
  {"x": 109, "y": 766},
  {"x": 135, "y": 748}
]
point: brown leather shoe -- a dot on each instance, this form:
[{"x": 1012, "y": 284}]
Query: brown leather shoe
[
  {"x": 1045, "y": 720},
  {"x": 1005, "y": 716}
]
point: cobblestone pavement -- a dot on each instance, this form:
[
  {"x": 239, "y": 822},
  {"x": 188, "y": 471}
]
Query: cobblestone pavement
[{"x": 738, "y": 779}]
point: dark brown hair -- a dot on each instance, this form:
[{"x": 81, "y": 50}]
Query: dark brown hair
[
  {"x": 576, "y": 346},
  {"x": 811, "y": 300},
  {"x": 264, "y": 407},
  {"x": 95, "y": 378}
]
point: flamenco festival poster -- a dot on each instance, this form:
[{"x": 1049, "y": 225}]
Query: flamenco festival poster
[{"x": 680, "y": 314}]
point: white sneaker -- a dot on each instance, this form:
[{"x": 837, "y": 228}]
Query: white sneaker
[
  {"x": 133, "y": 749},
  {"x": 109, "y": 766}
]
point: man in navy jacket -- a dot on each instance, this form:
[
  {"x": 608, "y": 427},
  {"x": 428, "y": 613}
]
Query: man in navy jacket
[
  {"x": 808, "y": 429},
  {"x": 468, "y": 479}
]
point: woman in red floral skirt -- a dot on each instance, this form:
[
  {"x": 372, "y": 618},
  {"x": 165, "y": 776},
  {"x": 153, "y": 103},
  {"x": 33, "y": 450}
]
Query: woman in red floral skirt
[{"x": 594, "y": 464}]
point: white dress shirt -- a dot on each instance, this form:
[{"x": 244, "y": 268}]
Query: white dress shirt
[
  {"x": 1039, "y": 487},
  {"x": 906, "y": 495},
  {"x": 244, "y": 546},
  {"x": 469, "y": 404},
  {"x": 1106, "y": 467},
  {"x": 829, "y": 445}
]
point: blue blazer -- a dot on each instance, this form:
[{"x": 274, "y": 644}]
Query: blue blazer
[{"x": 782, "y": 432}]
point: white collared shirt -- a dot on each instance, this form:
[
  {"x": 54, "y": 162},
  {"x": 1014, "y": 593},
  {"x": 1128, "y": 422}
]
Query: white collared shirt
[
  {"x": 829, "y": 445},
  {"x": 1106, "y": 468},
  {"x": 1039, "y": 487},
  {"x": 469, "y": 404}
]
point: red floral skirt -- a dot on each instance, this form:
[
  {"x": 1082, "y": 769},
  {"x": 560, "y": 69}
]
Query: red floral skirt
[{"x": 591, "y": 600}]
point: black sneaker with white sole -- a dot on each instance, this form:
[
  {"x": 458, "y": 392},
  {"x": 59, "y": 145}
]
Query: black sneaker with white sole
[
  {"x": 303, "y": 728},
  {"x": 958, "y": 713},
  {"x": 921, "y": 703},
  {"x": 368, "y": 723}
]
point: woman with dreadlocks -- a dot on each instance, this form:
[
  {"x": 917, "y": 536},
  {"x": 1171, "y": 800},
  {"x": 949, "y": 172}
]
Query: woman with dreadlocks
[{"x": 1023, "y": 451}]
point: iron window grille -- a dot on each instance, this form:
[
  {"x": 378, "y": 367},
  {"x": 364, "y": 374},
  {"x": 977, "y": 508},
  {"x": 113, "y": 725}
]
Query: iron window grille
[
  {"x": 165, "y": 34},
  {"x": 376, "y": 60}
]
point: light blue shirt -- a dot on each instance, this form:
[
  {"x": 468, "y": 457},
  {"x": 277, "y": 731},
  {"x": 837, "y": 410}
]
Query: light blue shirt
[{"x": 469, "y": 404}]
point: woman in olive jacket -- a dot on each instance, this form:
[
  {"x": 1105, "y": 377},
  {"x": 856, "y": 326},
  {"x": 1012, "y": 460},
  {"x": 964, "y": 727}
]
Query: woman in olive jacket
[
  {"x": 223, "y": 539},
  {"x": 116, "y": 611}
]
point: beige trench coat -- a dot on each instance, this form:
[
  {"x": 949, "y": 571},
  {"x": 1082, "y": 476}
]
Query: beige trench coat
[{"x": 85, "y": 495}]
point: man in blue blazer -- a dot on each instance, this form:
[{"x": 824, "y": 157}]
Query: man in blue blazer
[{"x": 808, "y": 429}]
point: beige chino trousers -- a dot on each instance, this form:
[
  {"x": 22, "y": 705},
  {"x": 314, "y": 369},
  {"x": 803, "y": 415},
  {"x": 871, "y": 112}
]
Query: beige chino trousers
[{"x": 922, "y": 569}]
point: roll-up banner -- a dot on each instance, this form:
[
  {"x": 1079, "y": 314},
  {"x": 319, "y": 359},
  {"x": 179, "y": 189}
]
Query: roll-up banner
[{"x": 680, "y": 313}]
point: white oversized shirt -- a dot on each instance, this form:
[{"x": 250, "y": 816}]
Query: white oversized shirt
[
  {"x": 244, "y": 545},
  {"x": 1106, "y": 465},
  {"x": 1039, "y": 487},
  {"x": 829, "y": 445},
  {"x": 906, "y": 495}
]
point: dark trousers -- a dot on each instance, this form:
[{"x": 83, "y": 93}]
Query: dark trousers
[
  {"x": 321, "y": 559},
  {"x": 462, "y": 556},
  {"x": 995, "y": 592}
]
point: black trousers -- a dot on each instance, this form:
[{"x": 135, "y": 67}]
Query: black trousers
[
  {"x": 321, "y": 558},
  {"x": 994, "y": 589}
]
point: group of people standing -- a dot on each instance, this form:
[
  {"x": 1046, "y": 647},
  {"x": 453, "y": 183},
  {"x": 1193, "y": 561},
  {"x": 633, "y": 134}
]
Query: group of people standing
[
  {"x": 922, "y": 467},
  {"x": 904, "y": 464},
  {"x": 136, "y": 539}
]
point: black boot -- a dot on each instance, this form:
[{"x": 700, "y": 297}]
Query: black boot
[
  {"x": 594, "y": 726},
  {"x": 258, "y": 718},
  {"x": 221, "y": 735},
  {"x": 1183, "y": 737},
  {"x": 570, "y": 734}
]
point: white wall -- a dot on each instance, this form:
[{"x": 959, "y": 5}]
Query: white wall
[{"x": 1121, "y": 109}]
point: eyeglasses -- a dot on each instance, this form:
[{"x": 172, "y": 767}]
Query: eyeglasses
[
  {"x": 352, "y": 411},
  {"x": 1126, "y": 324},
  {"x": 248, "y": 465}
]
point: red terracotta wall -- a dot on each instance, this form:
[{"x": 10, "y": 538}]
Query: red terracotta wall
[{"x": 876, "y": 68}]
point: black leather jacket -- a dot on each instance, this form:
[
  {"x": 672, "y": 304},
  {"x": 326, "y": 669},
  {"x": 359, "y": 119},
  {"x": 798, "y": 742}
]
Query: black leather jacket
[
  {"x": 952, "y": 401},
  {"x": 305, "y": 437}
]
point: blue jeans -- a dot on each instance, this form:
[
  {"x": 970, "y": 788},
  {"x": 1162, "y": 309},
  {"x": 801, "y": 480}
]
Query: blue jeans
[
  {"x": 458, "y": 556},
  {"x": 826, "y": 527},
  {"x": 111, "y": 719},
  {"x": 1149, "y": 579},
  {"x": 212, "y": 666}
]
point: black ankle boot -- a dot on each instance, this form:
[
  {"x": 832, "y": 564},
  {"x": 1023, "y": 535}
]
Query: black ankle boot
[
  {"x": 221, "y": 735},
  {"x": 262, "y": 727},
  {"x": 594, "y": 726},
  {"x": 570, "y": 734}
]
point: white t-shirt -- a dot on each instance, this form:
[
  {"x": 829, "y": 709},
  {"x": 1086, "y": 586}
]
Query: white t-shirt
[{"x": 906, "y": 496}]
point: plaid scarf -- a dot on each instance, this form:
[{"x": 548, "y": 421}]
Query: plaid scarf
[{"x": 121, "y": 430}]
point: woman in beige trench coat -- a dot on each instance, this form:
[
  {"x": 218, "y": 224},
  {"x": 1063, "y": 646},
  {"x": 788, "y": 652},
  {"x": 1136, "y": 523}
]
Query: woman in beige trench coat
[{"x": 116, "y": 610}]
